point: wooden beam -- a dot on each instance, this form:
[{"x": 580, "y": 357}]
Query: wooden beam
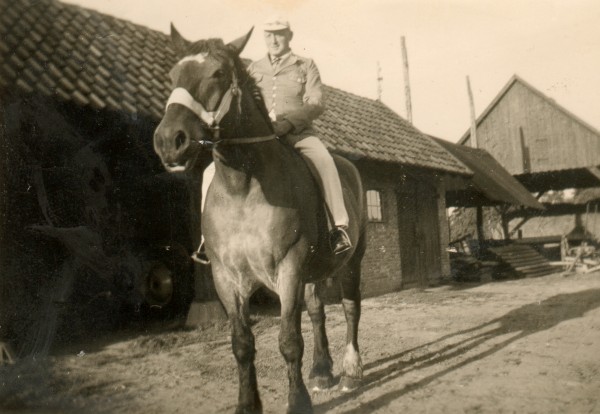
[
  {"x": 518, "y": 226},
  {"x": 595, "y": 171},
  {"x": 474, "y": 143},
  {"x": 551, "y": 210},
  {"x": 480, "y": 233},
  {"x": 406, "y": 82}
]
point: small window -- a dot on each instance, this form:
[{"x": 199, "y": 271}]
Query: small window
[{"x": 374, "y": 205}]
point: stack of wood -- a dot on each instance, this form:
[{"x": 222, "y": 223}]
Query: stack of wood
[
  {"x": 522, "y": 260},
  {"x": 584, "y": 258}
]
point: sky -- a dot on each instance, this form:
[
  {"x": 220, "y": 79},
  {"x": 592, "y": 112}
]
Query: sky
[{"x": 553, "y": 45}]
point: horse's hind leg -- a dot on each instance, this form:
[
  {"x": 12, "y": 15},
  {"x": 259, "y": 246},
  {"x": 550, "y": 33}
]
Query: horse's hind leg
[
  {"x": 321, "y": 376},
  {"x": 291, "y": 346},
  {"x": 242, "y": 342},
  {"x": 352, "y": 364}
]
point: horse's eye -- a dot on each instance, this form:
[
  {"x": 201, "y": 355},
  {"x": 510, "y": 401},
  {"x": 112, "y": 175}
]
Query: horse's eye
[{"x": 218, "y": 74}]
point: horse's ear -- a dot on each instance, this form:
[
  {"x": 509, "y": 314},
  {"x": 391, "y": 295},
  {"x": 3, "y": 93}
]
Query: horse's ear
[
  {"x": 238, "y": 44},
  {"x": 178, "y": 41}
]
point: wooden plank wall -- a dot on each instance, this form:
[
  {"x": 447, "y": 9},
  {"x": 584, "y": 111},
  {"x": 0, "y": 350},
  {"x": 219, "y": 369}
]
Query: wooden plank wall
[{"x": 552, "y": 140}]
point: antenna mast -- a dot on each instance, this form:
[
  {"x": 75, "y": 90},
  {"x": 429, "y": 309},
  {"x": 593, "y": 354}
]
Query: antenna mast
[
  {"x": 406, "y": 82},
  {"x": 379, "y": 82}
]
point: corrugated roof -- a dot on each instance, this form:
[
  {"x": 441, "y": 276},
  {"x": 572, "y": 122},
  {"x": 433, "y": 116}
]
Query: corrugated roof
[
  {"x": 490, "y": 178},
  {"x": 96, "y": 60}
]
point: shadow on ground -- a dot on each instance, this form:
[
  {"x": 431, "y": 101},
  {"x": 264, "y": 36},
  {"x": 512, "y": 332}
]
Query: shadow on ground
[{"x": 524, "y": 321}]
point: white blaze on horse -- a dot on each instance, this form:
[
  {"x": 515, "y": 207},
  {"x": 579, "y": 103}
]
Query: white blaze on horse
[{"x": 264, "y": 221}]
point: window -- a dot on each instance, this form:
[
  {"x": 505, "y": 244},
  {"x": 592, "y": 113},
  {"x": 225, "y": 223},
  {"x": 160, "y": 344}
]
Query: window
[{"x": 374, "y": 205}]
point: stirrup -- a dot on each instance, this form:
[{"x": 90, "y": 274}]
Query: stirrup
[
  {"x": 199, "y": 256},
  {"x": 339, "y": 240}
]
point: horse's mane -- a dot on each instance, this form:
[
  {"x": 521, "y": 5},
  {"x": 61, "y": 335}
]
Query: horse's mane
[{"x": 216, "y": 48}]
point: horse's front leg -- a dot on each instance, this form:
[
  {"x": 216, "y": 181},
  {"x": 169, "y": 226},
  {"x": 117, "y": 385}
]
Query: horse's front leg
[
  {"x": 321, "y": 376},
  {"x": 236, "y": 304},
  {"x": 352, "y": 365},
  {"x": 291, "y": 344}
]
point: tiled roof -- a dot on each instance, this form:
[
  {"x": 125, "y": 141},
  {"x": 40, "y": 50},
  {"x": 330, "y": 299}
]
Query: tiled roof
[
  {"x": 365, "y": 127},
  {"x": 92, "y": 59},
  {"x": 83, "y": 56}
]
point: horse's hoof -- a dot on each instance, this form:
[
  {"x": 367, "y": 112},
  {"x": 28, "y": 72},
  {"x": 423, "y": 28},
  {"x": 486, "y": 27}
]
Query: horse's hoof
[
  {"x": 300, "y": 403},
  {"x": 320, "y": 383},
  {"x": 348, "y": 384},
  {"x": 299, "y": 410},
  {"x": 246, "y": 410}
]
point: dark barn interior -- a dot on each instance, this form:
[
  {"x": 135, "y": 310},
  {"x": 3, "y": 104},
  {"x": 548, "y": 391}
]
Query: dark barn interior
[{"x": 79, "y": 235}]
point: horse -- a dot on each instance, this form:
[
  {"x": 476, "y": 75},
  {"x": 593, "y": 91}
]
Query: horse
[{"x": 264, "y": 220}]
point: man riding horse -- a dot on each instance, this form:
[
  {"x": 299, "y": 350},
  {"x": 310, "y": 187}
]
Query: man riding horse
[
  {"x": 264, "y": 221},
  {"x": 292, "y": 91}
]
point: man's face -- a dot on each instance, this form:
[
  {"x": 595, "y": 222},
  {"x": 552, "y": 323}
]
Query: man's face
[{"x": 278, "y": 42}]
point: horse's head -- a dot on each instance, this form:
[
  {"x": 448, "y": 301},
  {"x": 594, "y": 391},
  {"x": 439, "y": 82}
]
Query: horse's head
[{"x": 205, "y": 91}]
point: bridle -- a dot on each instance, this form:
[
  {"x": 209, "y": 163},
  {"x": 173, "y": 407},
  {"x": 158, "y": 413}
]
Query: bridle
[{"x": 212, "y": 119}]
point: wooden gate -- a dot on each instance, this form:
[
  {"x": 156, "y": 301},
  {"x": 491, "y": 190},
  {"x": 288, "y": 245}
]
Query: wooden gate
[{"x": 418, "y": 225}]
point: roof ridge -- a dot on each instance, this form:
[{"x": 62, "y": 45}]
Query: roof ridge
[
  {"x": 352, "y": 93},
  {"x": 558, "y": 106},
  {"x": 516, "y": 78}
]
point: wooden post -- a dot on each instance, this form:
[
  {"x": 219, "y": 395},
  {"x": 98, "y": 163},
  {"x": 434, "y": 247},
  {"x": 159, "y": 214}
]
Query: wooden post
[
  {"x": 406, "y": 82},
  {"x": 587, "y": 217},
  {"x": 480, "y": 233},
  {"x": 473, "y": 119}
]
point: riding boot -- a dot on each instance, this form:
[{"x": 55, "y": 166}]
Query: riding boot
[{"x": 339, "y": 240}]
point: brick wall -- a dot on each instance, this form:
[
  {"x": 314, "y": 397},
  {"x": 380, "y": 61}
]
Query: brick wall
[{"x": 381, "y": 264}]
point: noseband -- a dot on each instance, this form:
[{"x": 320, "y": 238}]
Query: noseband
[{"x": 212, "y": 119}]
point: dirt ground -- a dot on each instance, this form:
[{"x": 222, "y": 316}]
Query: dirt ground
[{"x": 520, "y": 346}]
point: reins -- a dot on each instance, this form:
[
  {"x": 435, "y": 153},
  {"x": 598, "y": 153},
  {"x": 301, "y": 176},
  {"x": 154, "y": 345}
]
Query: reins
[{"x": 212, "y": 119}]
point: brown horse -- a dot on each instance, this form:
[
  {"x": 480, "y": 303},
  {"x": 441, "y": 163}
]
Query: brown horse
[{"x": 264, "y": 221}]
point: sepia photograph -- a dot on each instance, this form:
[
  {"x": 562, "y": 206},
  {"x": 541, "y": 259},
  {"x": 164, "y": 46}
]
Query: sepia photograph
[{"x": 299, "y": 206}]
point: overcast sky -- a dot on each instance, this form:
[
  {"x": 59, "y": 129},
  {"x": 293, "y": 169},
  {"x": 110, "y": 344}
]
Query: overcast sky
[{"x": 553, "y": 45}]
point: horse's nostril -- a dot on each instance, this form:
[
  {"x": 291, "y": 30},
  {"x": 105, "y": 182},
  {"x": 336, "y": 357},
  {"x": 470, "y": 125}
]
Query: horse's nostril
[{"x": 180, "y": 139}]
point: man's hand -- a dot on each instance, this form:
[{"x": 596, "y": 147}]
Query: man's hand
[{"x": 282, "y": 127}]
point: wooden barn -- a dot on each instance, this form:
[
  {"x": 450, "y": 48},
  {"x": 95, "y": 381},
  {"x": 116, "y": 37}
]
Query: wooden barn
[
  {"x": 553, "y": 153},
  {"x": 86, "y": 206}
]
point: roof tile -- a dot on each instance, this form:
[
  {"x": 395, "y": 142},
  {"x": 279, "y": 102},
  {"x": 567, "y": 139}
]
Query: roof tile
[
  {"x": 24, "y": 85},
  {"x": 105, "y": 62},
  {"x": 97, "y": 102},
  {"x": 62, "y": 94},
  {"x": 79, "y": 98}
]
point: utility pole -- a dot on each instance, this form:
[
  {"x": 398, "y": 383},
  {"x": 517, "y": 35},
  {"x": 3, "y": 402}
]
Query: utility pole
[
  {"x": 406, "y": 82},
  {"x": 379, "y": 82},
  {"x": 473, "y": 119},
  {"x": 479, "y": 209}
]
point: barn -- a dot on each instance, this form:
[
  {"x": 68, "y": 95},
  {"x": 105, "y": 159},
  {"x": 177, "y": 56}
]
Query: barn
[
  {"x": 87, "y": 208},
  {"x": 553, "y": 153}
]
